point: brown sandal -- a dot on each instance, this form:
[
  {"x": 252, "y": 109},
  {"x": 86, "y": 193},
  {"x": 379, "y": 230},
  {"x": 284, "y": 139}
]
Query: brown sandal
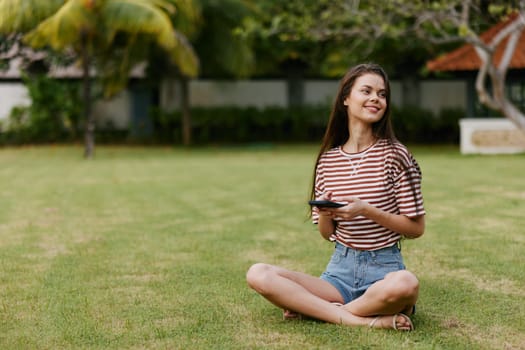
[{"x": 394, "y": 322}]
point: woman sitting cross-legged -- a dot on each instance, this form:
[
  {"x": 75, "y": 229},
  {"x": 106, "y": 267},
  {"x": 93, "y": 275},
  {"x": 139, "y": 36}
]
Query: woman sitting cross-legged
[{"x": 363, "y": 166}]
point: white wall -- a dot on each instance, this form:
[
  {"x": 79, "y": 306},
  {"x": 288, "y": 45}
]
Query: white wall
[
  {"x": 435, "y": 95},
  {"x": 320, "y": 91},
  {"x": 116, "y": 112},
  {"x": 242, "y": 93},
  {"x": 396, "y": 93},
  {"x": 261, "y": 93},
  {"x": 11, "y": 95}
]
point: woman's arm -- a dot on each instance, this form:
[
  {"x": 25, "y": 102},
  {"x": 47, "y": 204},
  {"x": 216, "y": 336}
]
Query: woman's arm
[
  {"x": 409, "y": 227},
  {"x": 412, "y": 227},
  {"x": 326, "y": 224}
]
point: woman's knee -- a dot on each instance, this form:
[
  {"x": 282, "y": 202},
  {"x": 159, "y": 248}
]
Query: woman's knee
[
  {"x": 404, "y": 284},
  {"x": 259, "y": 276}
]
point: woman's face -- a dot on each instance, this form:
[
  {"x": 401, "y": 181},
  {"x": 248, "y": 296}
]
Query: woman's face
[{"x": 367, "y": 99}]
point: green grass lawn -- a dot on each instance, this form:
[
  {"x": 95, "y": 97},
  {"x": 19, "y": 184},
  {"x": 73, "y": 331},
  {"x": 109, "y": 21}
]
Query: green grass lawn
[{"x": 147, "y": 248}]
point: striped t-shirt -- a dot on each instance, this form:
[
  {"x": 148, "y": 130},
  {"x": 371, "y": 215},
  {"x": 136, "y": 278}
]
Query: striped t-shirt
[{"x": 385, "y": 175}]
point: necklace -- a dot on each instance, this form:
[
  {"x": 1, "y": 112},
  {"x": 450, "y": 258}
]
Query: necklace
[{"x": 355, "y": 167}]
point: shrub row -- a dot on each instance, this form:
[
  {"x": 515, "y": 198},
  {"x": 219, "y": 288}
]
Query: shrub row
[
  {"x": 417, "y": 125},
  {"x": 53, "y": 116},
  {"x": 232, "y": 125},
  {"x": 300, "y": 124},
  {"x": 243, "y": 125}
]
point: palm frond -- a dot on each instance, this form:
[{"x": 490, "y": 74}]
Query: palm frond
[
  {"x": 185, "y": 56},
  {"x": 134, "y": 16},
  {"x": 188, "y": 18},
  {"x": 22, "y": 15},
  {"x": 151, "y": 17},
  {"x": 64, "y": 27}
]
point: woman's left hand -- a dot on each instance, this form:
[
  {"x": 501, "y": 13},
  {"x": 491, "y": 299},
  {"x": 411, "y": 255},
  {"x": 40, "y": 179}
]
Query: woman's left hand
[{"x": 410, "y": 227}]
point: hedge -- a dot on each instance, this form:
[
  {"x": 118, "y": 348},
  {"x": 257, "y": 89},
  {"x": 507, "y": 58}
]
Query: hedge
[
  {"x": 238, "y": 125},
  {"x": 299, "y": 124}
]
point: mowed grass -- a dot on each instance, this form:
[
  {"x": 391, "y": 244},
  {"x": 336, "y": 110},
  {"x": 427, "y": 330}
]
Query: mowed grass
[{"x": 147, "y": 248}]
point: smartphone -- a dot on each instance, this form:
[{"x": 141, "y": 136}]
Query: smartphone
[{"x": 326, "y": 204}]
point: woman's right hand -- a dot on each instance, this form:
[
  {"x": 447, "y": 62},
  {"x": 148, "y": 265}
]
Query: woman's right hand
[
  {"x": 326, "y": 224},
  {"x": 326, "y": 212}
]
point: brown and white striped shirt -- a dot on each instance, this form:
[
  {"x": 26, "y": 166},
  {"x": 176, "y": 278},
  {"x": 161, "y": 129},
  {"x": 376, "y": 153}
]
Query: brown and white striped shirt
[{"x": 385, "y": 175}]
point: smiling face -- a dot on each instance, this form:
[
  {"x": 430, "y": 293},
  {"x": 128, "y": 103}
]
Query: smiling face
[{"x": 367, "y": 100}]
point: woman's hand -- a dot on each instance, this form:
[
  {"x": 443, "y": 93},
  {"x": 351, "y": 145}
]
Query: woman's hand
[
  {"x": 326, "y": 212},
  {"x": 355, "y": 207},
  {"x": 412, "y": 227},
  {"x": 326, "y": 223}
]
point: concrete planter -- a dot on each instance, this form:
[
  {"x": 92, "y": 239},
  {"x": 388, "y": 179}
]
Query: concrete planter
[{"x": 490, "y": 136}]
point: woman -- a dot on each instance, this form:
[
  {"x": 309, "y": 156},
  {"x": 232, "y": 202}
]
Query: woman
[{"x": 362, "y": 165}]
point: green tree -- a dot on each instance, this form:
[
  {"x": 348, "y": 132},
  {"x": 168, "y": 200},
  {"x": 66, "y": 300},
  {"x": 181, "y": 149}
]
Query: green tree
[
  {"x": 223, "y": 51},
  {"x": 325, "y": 37},
  {"x": 106, "y": 36},
  {"x": 297, "y": 38},
  {"x": 213, "y": 29},
  {"x": 364, "y": 27},
  {"x": 463, "y": 22}
]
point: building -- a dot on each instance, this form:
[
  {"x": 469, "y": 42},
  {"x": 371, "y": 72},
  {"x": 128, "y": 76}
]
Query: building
[{"x": 483, "y": 130}]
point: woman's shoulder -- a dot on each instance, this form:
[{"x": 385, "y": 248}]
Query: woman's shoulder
[
  {"x": 397, "y": 153},
  {"x": 330, "y": 157},
  {"x": 334, "y": 151},
  {"x": 394, "y": 146}
]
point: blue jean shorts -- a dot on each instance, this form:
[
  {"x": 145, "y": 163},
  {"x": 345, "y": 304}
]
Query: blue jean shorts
[{"x": 352, "y": 271}]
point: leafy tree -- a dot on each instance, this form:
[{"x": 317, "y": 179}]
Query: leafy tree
[
  {"x": 212, "y": 29},
  {"x": 325, "y": 37},
  {"x": 106, "y": 36},
  {"x": 224, "y": 52},
  {"x": 364, "y": 26},
  {"x": 464, "y": 17},
  {"x": 282, "y": 49},
  {"x": 53, "y": 114}
]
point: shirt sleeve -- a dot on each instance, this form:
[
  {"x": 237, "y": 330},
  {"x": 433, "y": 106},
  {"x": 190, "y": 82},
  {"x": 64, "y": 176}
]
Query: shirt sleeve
[{"x": 407, "y": 185}]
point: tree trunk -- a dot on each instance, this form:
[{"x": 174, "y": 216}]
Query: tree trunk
[
  {"x": 411, "y": 90},
  {"x": 497, "y": 99},
  {"x": 186, "y": 113},
  {"x": 89, "y": 126},
  {"x": 294, "y": 70}
]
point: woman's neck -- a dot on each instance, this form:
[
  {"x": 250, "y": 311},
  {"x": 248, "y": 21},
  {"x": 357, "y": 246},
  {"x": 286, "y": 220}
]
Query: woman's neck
[{"x": 358, "y": 142}]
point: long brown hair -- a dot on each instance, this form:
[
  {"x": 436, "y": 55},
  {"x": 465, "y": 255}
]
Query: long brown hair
[{"x": 337, "y": 132}]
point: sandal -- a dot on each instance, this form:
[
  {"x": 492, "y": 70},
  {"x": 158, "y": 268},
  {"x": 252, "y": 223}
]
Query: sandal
[{"x": 394, "y": 322}]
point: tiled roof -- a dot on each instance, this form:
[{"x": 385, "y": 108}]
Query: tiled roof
[{"x": 465, "y": 58}]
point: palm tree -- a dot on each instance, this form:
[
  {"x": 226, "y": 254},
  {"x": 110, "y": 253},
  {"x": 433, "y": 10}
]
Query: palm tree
[
  {"x": 109, "y": 36},
  {"x": 224, "y": 52}
]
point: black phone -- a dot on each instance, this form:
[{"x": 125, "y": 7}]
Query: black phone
[{"x": 326, "y": 204}]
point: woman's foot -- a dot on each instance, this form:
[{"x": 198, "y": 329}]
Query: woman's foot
[
  {"x": 398, "y": 322},
  {"x": 291, "y": 315}
]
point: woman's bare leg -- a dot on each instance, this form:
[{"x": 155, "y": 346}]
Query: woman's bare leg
[
  {"x": 396, "y": 293},
  {"x": 307, "y": 295}
]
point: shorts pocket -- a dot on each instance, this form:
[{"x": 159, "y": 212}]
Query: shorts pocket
[
  {"x": 383, "y": 263},
  {"x": 336, "y": 258}
]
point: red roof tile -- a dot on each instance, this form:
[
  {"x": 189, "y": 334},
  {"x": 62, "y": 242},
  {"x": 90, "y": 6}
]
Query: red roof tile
[{"x": 465, "y": 58}]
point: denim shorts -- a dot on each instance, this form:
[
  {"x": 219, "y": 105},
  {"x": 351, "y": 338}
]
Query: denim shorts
[{"x": 352, "y": 271}]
